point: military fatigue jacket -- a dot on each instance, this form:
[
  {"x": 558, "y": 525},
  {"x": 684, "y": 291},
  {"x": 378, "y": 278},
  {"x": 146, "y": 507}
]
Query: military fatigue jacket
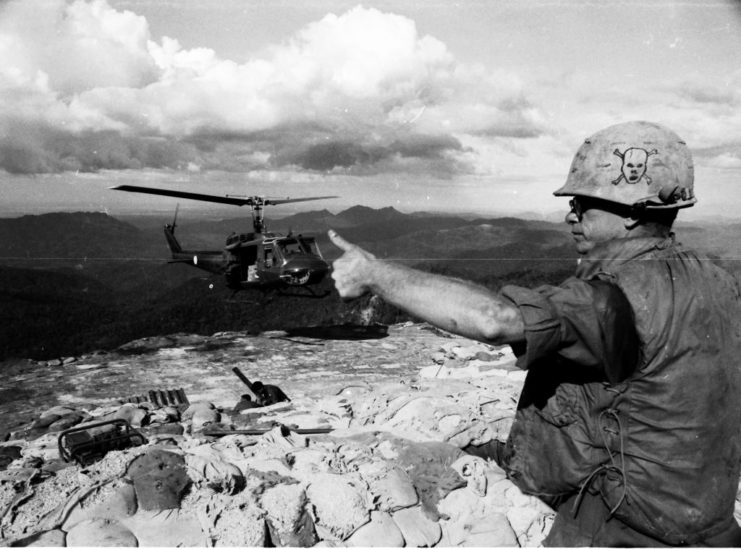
[{"x": 634, "y": 388}]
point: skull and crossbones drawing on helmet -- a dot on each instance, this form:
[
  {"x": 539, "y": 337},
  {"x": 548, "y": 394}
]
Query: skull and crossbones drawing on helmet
[{"x": 635, "y": 162}]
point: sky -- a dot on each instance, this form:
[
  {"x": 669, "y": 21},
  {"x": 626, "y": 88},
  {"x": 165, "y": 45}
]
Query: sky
[{"x": 475, "y": 106}]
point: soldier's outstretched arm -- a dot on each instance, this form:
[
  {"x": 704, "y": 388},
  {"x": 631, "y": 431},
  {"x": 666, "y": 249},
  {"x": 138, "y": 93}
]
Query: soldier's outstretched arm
[{"x": 452, "y": 304}]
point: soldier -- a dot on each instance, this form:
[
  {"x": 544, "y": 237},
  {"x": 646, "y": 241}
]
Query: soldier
[
  {"x": 268, "y": 394},
  {"x": 628, "y": 422}
]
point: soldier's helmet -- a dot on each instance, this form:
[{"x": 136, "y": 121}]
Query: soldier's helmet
[{"x": 639, "y": 164}]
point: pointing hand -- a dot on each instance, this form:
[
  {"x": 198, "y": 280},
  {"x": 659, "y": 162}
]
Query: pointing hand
[{"x": 351, "y": 271}]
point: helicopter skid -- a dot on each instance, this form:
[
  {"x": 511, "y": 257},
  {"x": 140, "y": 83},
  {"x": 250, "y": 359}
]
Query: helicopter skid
[
  {"x": 264, "y": 292},
  {"x": 302, "y": 291}
]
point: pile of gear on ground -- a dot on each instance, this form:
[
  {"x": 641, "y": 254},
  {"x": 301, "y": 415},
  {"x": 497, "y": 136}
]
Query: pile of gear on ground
[{"x": 377, "y": 466}]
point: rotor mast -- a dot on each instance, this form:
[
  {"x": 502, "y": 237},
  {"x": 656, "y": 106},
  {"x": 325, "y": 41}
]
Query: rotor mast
[
  {"x": 256, "y": 204},
  {"x": 258, "y": 221}
]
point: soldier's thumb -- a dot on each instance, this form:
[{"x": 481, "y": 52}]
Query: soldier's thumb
[{"x": 340, "y": 242}]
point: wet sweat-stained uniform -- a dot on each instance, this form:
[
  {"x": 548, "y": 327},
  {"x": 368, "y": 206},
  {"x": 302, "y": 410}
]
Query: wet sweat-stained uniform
[{"x": 629, "y": 420}]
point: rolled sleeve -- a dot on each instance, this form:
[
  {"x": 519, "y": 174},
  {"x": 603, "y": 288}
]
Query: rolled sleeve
[
  {"x": 588, "y": 323},
  {"x": 541, "y": 322}
]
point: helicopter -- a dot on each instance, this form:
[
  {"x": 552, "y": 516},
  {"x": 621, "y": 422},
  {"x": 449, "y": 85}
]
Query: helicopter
[{"x": 259, "y": 259}]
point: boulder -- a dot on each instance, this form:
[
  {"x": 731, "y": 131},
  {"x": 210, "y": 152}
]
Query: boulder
[
  {"x": 236, "y": 521},
  {"x": 201, "y": 414},
  {"x": 531, "y": 524},
  {"x": 492, "y": 530},
  {"x": 196, "y": 407},
  {"x": 428, "y": 465},
  {"x": 16, "y": 476},
  {"x": 50, "y": 538},
  {"x": 288, "y": 519},
  {"x": 67, "y": 422},
  {"x": 146, "y": 345},
  {"x": 133, "y": 414},
  {"x": 337, "y": 406},
  {"x": 59, "y": 411},
  {"x": 381, "y": 531},
  {"x": 113, "y": 501},
  {"x": 417, "y": 528},
  {"x": 458, "y": 504},
  {"x": 467, "y": 352},
  {"x": 424, "y": 417},
  {"x": 340, "y": 503},
  {"x": 166, "y": 528},
  {"x": 45, "y": 447},
  {"x": 100, "y": 430},
  {"x": 307, "y": 461},
  {"x": 100, "y": 533},
  {"x": 8, "y": 454},
  {"x": 45, "y": 420},
  {"x": 392, "y": 488},
  {"x": 209, "y": 469}
]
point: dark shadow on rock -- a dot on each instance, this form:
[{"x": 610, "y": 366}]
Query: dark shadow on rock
[{"x": 340, "y": 331}]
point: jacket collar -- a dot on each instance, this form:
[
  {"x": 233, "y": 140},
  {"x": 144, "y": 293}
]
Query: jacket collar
[{"x": 610, "y": 255}]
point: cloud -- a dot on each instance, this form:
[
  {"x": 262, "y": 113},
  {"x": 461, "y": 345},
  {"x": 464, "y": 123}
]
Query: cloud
[
  {"x": 724, "y": 157},
  {"x": 362, "y": 92},
  {"x": 77, "y": 46},
  {"x": 363, "y": 157},
  {"x": 705, "y": 112},
  {"x": 729, "y": 161},
  {"x": 40, "y": 149}
]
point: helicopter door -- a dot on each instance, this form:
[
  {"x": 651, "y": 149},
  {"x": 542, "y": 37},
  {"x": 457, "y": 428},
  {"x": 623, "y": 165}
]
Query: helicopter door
[
  {"x": 308, "y": 245},
  {"x": 243, "y": 262}
]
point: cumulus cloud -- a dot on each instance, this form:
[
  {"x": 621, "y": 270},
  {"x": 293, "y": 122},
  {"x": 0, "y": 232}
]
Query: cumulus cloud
[
  {"x": 34, "y": 148},
  {"x": 705, "y": 112},
  {"x": 724, "y": 157},
  {"x": 360, "y": 92},
  {"x": 729, "y": 161}
]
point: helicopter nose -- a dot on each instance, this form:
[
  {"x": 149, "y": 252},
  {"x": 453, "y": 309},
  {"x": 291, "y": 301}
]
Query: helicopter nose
[{"x": 300, "y": 271}]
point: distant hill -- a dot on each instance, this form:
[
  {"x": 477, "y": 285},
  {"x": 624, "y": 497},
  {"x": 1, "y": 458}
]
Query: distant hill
[
  {"x": 115, "y": 284},
  {"x": 72, "y": 235},
  {"x": 362, "y": 215},
  {"x": 40, "y": 308},
  {"x": 46, "y": 314}
]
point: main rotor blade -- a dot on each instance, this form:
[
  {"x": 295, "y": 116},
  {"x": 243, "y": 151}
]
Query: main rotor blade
[
  {"x": 270, "y": 201},
  {"x": 182, "y": 194},
  {"x": 233, "y": 200}
]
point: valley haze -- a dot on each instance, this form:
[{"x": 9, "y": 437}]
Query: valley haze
[{"x": 74, "y": 282}]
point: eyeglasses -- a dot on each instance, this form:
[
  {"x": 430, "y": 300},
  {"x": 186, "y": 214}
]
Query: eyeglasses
[
  {"x": 580, "y": 204},
  {"x": 577, "y": 208}
]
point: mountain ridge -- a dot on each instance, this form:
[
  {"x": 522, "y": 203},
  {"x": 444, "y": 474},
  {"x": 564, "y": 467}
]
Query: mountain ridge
[{"x": 46, "y": 262}]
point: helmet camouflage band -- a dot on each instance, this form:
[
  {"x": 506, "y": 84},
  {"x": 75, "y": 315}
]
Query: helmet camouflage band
[{"x": 635, "y": 164}]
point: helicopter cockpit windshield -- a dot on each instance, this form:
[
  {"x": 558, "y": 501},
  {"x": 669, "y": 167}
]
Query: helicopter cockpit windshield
[
  {"x": 296, "y": 246},
  {"x": 290, "y": 246}
]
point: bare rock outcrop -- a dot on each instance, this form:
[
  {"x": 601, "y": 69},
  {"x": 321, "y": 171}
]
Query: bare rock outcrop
[{"x": 366, "y": 453}]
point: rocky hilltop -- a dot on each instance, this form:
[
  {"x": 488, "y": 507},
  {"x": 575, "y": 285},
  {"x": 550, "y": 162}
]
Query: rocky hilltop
[{"x": 366, "y": 452}]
